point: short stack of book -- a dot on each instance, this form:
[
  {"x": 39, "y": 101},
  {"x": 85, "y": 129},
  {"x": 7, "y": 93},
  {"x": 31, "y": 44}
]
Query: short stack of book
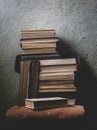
[
  {"x": 43, "y": 73},
  {"x": 38, "y": 44},
  {"x": 57, "y": 75}
]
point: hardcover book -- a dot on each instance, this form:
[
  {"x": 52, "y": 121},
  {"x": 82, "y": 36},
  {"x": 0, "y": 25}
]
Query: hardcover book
[
  {"x": 48, "y": 102},
  {"x": 24, "y": 81},
  {"x": 34, "y": 79},
  {"x": 37, "y": 33}
]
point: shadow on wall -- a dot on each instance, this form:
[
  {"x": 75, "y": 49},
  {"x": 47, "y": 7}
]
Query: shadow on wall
[
  {"x": 85, "y": 81},
  {"x": 87, "y": 95}
]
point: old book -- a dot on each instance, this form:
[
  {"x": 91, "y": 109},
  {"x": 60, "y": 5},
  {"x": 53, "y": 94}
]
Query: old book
[
  {"x": 46, "y": 31},
  {"x": 58, "y": 68},
  {"x": 34, "y": 79},
  {"x": 37, "y": 33},
  {"x": 40, "y": 56},
  {"x": 56, "y": 86},
  {"x": 57, "y": 90},
  {"x": 48, "y": 102},
  {"x": 64, "y": 61},
  {"x": 67, "y": 94},
  {"x": 56, "y": 82},
  {"x": 39, "y": 40},
  {"x": 37, "y": 45},
  {"x": 24, "y": 81},
  {"x": 41, "y": 35},
  {"x": 57, "y": 76},
  {"x": 39, "y": 50}
]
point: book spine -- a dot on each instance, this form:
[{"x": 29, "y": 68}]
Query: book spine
[
  {"x": 40, "y": 56},
  {"x": 24, "y": 82},
  {"x": 34, "y": 79}
]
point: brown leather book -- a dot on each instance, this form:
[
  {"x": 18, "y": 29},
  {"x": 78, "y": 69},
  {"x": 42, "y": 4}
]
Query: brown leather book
[{"x": 33, "y": 79}]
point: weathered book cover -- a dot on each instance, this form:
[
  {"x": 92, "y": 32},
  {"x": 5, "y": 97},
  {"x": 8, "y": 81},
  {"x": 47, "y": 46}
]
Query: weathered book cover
[
  {"x": 48, "y": 102},
  {"x": 24, "y": 81},
  {"x": 40, "y": 56},
  {"x": 34, "y": 79},
  {"x": 39, "y": 50}
]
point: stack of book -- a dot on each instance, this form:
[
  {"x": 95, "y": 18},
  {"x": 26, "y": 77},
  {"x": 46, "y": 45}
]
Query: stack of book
[
  {"x": 43, "y": 73},
  {"x": 53, "y": 77},
  {"x": 57, "y": 75},
  {"x": 36, "y": 43}
]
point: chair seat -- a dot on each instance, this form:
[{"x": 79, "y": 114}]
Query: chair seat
[{"x": 20, "y": 112}]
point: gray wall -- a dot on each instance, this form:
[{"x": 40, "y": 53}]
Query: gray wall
[{"x": 75, "y": 22}]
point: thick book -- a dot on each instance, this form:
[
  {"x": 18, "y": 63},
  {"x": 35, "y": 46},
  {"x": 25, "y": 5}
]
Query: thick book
[
  {"x": 65, "y": 94},
  {"x": 24, "y": 81},
  {"x": 37, "y": 33},
  {"x": 57, "y": 86},
  {"x": 58, "y": 68},
  {"x": 37, "y": 45},
  {"x": 64, "y": 61},
  {"x": 30, "y": 35},
  {"x": 57, "y": 76},
  {"x": 39, "y": 50},
  {"x": 56, "y": 82},
  {"x": 34, "y": 79},
  {"x": 40, "y": 56},
  {"x": 48, "y": 102}
]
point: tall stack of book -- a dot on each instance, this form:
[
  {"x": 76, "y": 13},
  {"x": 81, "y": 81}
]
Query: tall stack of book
[
  {"x": 43, "y": 73},
  {"x": 35, "y": 45}
]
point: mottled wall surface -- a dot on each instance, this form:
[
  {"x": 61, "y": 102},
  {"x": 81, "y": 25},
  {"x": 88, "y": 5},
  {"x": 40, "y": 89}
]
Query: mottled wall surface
[{"x": 75, "y": 22}]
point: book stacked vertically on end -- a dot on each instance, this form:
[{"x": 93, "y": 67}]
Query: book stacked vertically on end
[{"x": 43, "y": 73}]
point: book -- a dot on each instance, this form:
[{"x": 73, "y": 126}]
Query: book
[
  {"x": 37, "y": 45},
  {"x": 61, "y": 83},
  {"x": 48, "y": 102},
  {"x": 57, "y": 90},
  {"x": 64, "y": 61},
  {"x": 37, "y": 33},
  {"x": 56, "y": 82},
  {"x": 24, "y": 81},
  {"x": 40, "y": 56},
  {"x": 57, "y": 76},
  {"x": 39, "y": 50},
  {"x": 39, "y": 40},
  {"x": 56, "y": 86},
  {"x": 66, "y": 94},
  {"x": 34, "y": 79},
  {"x": 58, "y": 68},
  {"x": 45, "y": 32}
]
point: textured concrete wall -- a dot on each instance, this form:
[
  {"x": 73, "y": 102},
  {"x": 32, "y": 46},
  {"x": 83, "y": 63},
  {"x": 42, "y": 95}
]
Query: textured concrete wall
[{"x": 75, "y": 22}]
